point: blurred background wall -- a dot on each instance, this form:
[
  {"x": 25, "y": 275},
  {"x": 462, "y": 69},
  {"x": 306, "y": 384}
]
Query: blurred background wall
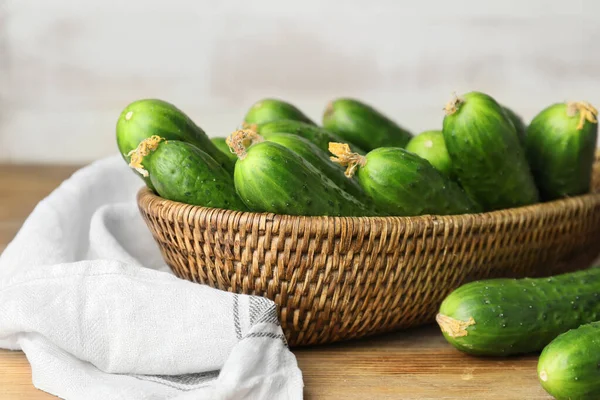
[{"x": 68, "y": 67}]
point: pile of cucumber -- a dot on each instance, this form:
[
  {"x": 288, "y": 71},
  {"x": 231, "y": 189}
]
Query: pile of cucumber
[{"x": 359, "y": 162}]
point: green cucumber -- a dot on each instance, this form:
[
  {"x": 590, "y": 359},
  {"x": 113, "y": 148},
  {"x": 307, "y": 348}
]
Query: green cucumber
[
  {"x": 359, "y": 123},
  {"x": 517, "y": 122},
  {"x": 319, "y": 136},
  {"x": 180, "y": 171},
  {"x": 319, "y": 159},
  {"x": 561, "y": 142},
  {"x": 148, "y": 117},
  {"x": 221, "y": 144},
  {"x": 500, "y": 317},
  {"x": 430, "y": 145},
  {"x": 569, "y": 367},
  {"x": 267, "y": 110},
  {"x": 402, "y": 183},
  {"x": 271, "y": 178},
  {"x": 487, "y": 157}
]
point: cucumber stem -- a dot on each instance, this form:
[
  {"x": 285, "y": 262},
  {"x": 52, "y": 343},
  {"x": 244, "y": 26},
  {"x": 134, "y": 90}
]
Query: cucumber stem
[
  {"x": 144, "y": 148},
  {"x": 454, "y": 327},
  {"x": 453, "y": 105},
  {"x": 346, "y": 158},
  {"x": 586, "y": 111},
  {"x": 240, "y": 140}
]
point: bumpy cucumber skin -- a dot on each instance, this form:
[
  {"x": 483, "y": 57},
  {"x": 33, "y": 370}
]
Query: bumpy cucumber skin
[
  {"x": 560, "y": 155},
  {"x": 144, "y": 118},
  {"x": 430, "y": 145},
  {"x": 401, "y": 183},
  {"x": 267, "y": 110},
  {"x": 361, "y": 124},
  {"x": 569, "y": 367},
  {"x": 221, "y": 144},
  {"x": 517, "y": 122},
  {"x": 319, "y": 136},
  {"x": 319, "y": 159},
  {"x": 516, "y": 316},
  {"x": 487, "y": 158},
  {"x": 271, "y": 178},
  {"x": 182, "y": 172}
]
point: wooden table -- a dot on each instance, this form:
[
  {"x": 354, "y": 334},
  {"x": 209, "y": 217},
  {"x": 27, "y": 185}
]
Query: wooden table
[{"x": 415, "y": 364}]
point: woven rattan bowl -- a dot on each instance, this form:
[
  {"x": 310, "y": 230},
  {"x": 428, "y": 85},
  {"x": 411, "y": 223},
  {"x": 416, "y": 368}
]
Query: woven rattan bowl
[{"x": 337, "y": 278}]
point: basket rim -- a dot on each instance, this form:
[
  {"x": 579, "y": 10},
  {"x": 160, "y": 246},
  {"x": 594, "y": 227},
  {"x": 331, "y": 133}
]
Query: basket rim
[{"x": 145, "y": 196}]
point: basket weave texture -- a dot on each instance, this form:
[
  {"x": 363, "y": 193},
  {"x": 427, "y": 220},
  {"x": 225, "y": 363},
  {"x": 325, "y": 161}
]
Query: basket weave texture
[{"x": 337, "y": 278}]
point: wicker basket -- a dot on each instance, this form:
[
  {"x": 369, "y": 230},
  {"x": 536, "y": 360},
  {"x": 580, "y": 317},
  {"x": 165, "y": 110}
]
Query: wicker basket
[{"x": 337, "y": 278}]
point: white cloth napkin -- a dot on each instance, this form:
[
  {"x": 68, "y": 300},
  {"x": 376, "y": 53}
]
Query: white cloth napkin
[{"x": 85, "y": 294}]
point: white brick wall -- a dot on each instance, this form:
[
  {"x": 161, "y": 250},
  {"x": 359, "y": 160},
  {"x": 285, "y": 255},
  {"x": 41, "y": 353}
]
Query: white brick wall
[{"x": 67, "y": 68}]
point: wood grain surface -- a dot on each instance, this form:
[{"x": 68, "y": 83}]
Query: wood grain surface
[{"x": 415, "y": 364}]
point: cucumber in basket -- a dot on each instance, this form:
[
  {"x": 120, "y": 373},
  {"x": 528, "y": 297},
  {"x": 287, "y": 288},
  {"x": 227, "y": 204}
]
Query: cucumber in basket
[
  {"x": 148, "y": 117},
  {"x": 180, "y": 171},
  {"x": 319, "y": 159},
  {"x": 561, "y": 142},
  {"x": 271, "y": 178},
  {"x": 500, "y": 317},
  {"x": 319, "y": 136},
  {"x": 267, "y": 110},
  {"x": 486, "y": 154},
  {"x": 402, "y": 183},
  {"x": 569, "y": 366},
  {"x": 359, "y": 123},
  {"x": 221, "y": 144},
  {"x": 430, "y": 145}
]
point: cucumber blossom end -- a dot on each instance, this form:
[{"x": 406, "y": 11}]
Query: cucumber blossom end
[
  {"x": 137, "y": 155},
  {"x": 454, "y": 327},
  {"x": 346, "y": 158},
  {"x": 586, "y": 112},
  {"x": 240, "y": 140},
  {"x": 453, "y": 105},
  {"x": 252, "y": 127}
]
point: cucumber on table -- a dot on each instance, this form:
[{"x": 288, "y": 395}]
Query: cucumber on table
[
  {"x": 569, "y": 367},
  {"x": 487, "y": 157},
  {"x": 271, "y": 178},
  {"x": 560, "y": 145},
  {"x": 148, "y": 117},
  {"x": 430, "y": 145},
  {"x": 500, "y": 317},
  {"x": 319, "y": 136},
  {"x": 360, "y": 123},
  {"x": 182, "y": 172},
  {"x": 267, "y": 110},
  {"x": 402, "y": 183},
  {"x": 221, "y": 144}
]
